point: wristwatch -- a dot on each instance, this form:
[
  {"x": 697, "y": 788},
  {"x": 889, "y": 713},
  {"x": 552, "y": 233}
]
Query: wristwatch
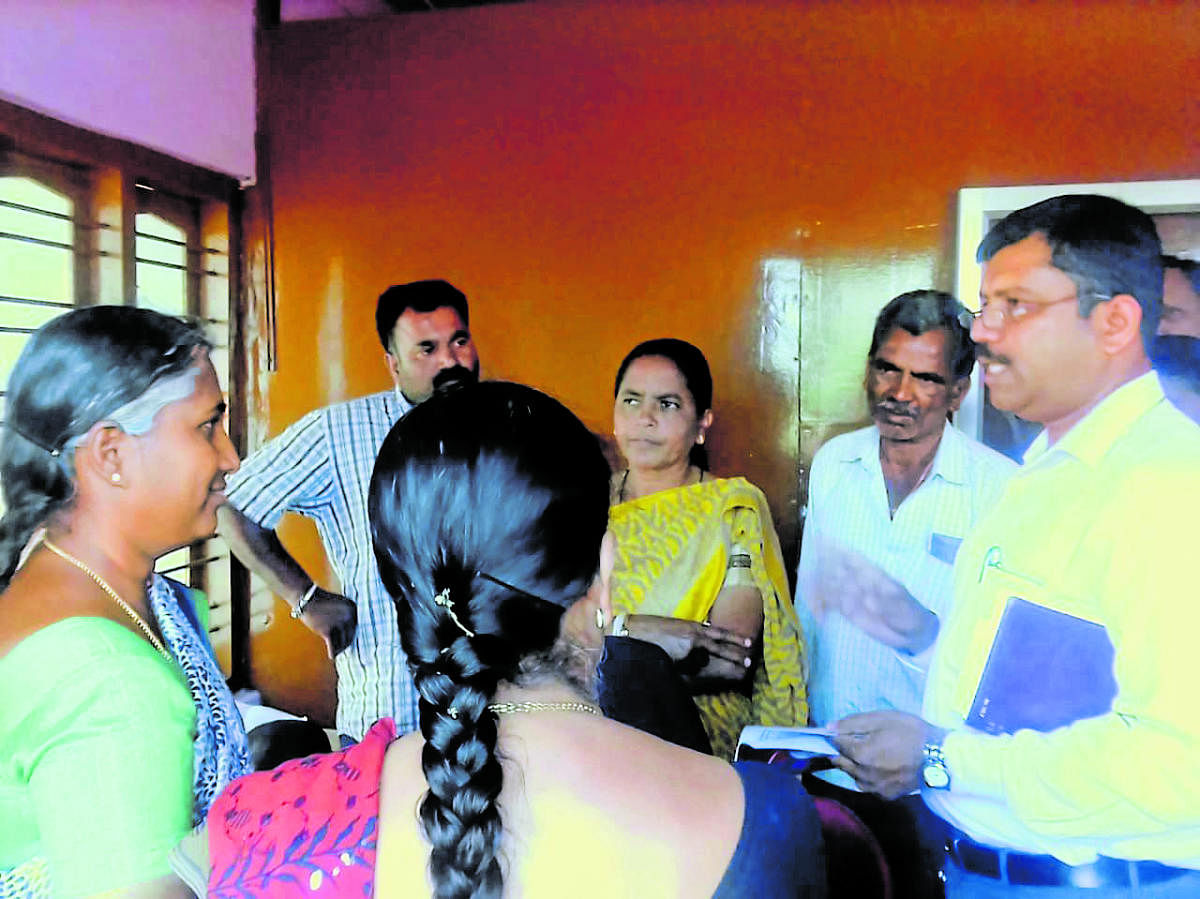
[{"x": 934, "y": 772}]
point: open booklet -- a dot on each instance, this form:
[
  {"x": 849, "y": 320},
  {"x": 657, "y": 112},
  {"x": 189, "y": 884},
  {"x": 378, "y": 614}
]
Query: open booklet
[{"x": 758, "y": 741}]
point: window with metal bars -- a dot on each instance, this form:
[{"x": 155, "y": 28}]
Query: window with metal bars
[{"x": 157, "y": 249}]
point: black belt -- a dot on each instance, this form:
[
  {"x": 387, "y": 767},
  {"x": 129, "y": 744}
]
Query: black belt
[{"x": 1045, "y": 870}]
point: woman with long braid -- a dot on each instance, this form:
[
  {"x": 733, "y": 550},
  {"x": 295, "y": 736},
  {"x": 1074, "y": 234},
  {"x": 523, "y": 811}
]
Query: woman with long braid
[{"x": 488, "y": 507}]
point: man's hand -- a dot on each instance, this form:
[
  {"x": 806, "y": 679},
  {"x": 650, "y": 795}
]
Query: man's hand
[
  {"x": 883, "y": 751},
  {"x": 870, "y": 599},
  {"x": 333, "y": 618},
  {"x": 717, "y": 653}
]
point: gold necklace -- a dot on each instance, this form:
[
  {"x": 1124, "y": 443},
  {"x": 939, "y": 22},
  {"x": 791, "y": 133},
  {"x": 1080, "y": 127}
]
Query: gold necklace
[
  {"x": 509, "y": 708},
  {"x": 103, "y": 585}
]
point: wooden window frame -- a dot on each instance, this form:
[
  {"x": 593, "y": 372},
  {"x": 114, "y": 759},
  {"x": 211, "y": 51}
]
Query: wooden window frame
[{"x": 102, "y": 174}]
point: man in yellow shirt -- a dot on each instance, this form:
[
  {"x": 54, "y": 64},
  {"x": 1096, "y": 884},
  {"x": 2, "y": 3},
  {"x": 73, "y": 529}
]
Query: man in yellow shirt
[{"x": 1103, "y": 797}]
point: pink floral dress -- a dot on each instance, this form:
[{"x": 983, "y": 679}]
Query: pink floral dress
[{"x": 307, "y": 828}]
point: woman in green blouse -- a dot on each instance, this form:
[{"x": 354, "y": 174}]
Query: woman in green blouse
[{"x": 116, "y": 727}]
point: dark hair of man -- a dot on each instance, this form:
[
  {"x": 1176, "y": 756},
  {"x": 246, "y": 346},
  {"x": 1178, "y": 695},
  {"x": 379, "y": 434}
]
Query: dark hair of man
[
  {"x": 696, "y": 377},
  {"x": 1105, "y": 246},
  {"x": 73, "y": 372},
  {"x": 481, "y": 484},
  {"x": 419, "y": 296},
  {"x": 1178, "y": 356},
  {"x": 1189, "y": 267},
  {"x": 921, "y": 311}
]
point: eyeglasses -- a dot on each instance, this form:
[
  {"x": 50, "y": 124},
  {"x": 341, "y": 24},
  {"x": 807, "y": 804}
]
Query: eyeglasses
[{"x": 998, "y": 314}]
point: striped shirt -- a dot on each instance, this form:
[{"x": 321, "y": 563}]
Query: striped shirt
[
  {"x": 321, "y": 467},
  {"x": 848, "y": 505}
]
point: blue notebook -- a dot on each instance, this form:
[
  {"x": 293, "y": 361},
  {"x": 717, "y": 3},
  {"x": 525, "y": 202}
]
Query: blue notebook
[{"x": 1045, "y": 670}]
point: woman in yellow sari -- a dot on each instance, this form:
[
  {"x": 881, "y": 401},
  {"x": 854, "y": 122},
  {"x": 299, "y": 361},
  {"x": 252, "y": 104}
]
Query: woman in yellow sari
[{"x": 698, "y": 569}]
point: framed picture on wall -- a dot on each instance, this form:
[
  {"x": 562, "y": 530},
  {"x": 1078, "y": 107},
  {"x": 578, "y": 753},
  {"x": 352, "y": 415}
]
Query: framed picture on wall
[{"x": 1175, "y": 208}]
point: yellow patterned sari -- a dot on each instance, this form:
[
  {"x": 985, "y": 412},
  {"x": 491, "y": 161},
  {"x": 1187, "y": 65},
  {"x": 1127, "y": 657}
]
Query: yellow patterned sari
[{"x": 672, "y": 555}]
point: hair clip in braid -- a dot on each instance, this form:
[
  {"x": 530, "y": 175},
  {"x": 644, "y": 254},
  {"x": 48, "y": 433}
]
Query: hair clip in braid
[{"x": 443, "y": 600}]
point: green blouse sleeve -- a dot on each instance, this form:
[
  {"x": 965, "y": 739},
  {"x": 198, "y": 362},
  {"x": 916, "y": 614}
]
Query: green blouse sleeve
[{"x": 98, "y": 729}]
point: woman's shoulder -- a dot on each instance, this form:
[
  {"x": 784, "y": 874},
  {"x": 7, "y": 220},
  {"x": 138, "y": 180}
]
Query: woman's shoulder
[
  {"x": 603, "y": 784},
  {"x": 81, "y": 643},
  {"x": 738, "y": 484},
  {"x": 737, "y": 491},
  {"x": 780, "y": 849},
  {"x": 84, "y": 665}
]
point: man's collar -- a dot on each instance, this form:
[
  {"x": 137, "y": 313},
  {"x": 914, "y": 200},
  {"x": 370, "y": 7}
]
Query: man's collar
[
  {"x": 402, "y": 401},
  {"x": 949, "y": 462},
  {"x": 1092, "y": 436}
]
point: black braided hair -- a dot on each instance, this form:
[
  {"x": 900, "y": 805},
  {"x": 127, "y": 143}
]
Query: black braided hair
[
  {"x": 501, "y": 479},
  {"x": 73, "y": 372}
]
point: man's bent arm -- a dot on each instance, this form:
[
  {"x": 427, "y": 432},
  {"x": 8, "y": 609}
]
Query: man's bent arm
[
  {"x": 259, "y": 549},
  {"x": 331, "y": 616}
]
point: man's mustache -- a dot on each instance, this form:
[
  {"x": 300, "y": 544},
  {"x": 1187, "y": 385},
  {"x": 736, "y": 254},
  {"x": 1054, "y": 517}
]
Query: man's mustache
[
  {"x": 455, "y": 376},
  {"x": 897, "y": 409},
  {"x": 983, "y": 354}
]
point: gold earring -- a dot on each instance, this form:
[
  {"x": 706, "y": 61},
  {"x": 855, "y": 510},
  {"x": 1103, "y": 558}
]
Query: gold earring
[
  {"x": 115, "y": 477},
  {"x": 700, "y": 439}
]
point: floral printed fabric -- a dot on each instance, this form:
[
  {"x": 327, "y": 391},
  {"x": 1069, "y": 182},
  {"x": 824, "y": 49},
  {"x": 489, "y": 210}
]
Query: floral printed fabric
[{"x": 308, "y": 828}]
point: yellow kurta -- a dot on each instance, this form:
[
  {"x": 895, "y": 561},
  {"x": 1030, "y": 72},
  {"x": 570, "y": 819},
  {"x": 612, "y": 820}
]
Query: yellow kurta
[{"x": 672, "y": 554}]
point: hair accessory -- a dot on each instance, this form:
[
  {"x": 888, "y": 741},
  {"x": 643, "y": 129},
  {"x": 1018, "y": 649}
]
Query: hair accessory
[
  {"x": 453, "y": 712},
  {"x": 507, "y": 586},
  {"x": 443, "y": 600},
  {"x": 115, "y": 477},
  {"x": 298, "y": 608},
  {"x": 49, "y": 449}
]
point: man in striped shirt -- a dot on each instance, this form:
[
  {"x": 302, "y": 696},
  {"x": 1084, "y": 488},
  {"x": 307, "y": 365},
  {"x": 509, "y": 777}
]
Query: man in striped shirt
[
  {"x": 887, "y": 507},
  {"x": 320, "y": 467}
]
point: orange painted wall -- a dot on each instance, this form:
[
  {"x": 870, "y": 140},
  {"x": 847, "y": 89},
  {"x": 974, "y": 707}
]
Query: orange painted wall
[{"x": 596, "y": 173}]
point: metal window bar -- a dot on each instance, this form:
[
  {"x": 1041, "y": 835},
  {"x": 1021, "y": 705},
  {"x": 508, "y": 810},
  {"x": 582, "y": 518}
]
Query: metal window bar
[
  {"x": 175, "y": 266},
  {"x": 41, "y": 242},
  {"x": 29, "y": 301},
  {"x": 61, "y": 216},
  {"x": 58, "y": 245},
  {"x": 199, "y": 251},
  {"x": 183, "y": 566}
]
